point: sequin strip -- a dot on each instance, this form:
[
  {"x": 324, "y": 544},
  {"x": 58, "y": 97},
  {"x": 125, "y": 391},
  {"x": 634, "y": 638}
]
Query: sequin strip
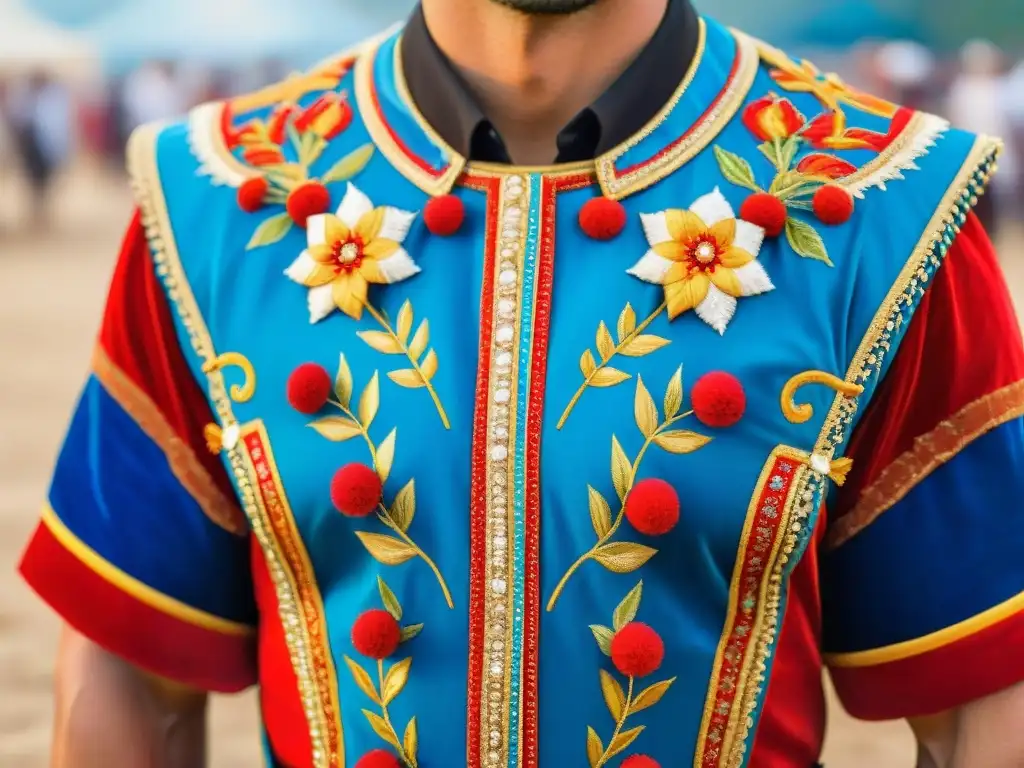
[{"x": 142, "y": 167}]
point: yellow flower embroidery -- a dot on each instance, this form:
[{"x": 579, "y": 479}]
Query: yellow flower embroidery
[
  {"x": 705, "y": 258},
  {"x": 348, "y": 250}
]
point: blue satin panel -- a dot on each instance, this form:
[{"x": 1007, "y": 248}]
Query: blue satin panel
[
  {"x": 113, "y": 488},
  {"x": 947, "y": 551}
]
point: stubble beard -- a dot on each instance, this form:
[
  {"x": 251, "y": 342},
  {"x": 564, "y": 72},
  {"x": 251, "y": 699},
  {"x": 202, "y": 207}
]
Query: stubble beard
[{"x": 547, "y": 7}]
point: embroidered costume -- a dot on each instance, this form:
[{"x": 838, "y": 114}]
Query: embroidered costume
[{"x": 616, "y": 453}]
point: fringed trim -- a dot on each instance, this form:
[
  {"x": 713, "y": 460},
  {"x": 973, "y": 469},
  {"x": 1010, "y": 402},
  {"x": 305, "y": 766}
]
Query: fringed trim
[
  {"x": 206, "y": 141},
  {"x": 914, "y": 142}
]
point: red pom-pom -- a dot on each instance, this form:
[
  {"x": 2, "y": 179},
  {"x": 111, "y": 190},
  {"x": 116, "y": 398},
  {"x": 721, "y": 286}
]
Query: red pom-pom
[
  {"x": 833, "y": 205},
  {"x": 309, "y": 386},
  {"x": 637, "y": 650},
  {"x": 640, "y": 761},
  {"x": 602, "y": 218},
  {"x": 444, "y": 215},
  {"x": 379, "y": 758},
  {"x": 652, "y": 507},
  {"x": 718, "y": 399},
  {"x": 766, "y": 211},
  {"x": 376, "y": 634},
  {"x": 308, "y": 200},
  {"x": 356, "y": 490},
  {"x": 251, "y": 194}
]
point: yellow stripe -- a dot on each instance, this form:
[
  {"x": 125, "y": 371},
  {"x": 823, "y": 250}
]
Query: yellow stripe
[
  {"x": 932, "y": 642},
  {"x": 133, "y": 586}
]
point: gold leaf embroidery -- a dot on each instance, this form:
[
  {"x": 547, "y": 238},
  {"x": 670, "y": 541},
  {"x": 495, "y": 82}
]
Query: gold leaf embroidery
[
  {"x": 381, "y": 728},
  {"x": 627, "y": 322},
  {"x": 381, "y": 342},
  {"x": 386, "y": 455},
  {"x": 386, "y": 549},
  {"x": 411, "y": 741},
  {"x": 363, "y": 681},
  {"x": 623, "y": 556},
  {"x": 405, "y": 318},
  {"x": 387, "y": 597},
  {"x": 271, "y": 231},
  {"x": 420, "y": 340},
  {"x": 650, "y": 696},
  {"x": 623, "y": 740},
  {"x": 336, "y": 428},
  {"x": 404, "y": 508},
  {"x": 674, "y": 394},
  {"x": 408, "y": 633},
  {"x": 642, "y": 346},
  {"x": 395, "y": 680},
  {"x": 429, "y": 367},
  {"x": 594, "y": 747},
  {"x": 622, "y": 476},
  {"x": 625, "y": 612},
  {"x": 603, "y": 636},
  {"x": 681, "y": 441},
  {"x": 343, "y": 383},
  {"x": 408, "y": 378},
  {"x": 369, "y": 403},
  {"x": 350, "y": 165},
  {"x": 805, "y": 240},
  {"x": 608, "y": 377},
  {"x": 644, "y": 409},
  {"x": 600, "y": 513},
  {"x": 614, "y": 696},
  {"x": 605, "y": 343},
  {"x": 587, "y": 364}
]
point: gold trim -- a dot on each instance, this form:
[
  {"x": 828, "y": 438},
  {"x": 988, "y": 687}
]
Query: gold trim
[
  {"x": 132, "y": 586},
  {"x": 931, "y": 642},
  {"x": 929, "y": 452},
  {"x": 144, "y": 172},
  {"x": 185, "y": 466}
]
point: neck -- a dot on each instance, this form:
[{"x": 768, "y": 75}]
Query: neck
[{"x": 531, "y": 74}]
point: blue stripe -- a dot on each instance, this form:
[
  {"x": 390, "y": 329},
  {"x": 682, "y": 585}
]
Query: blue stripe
[{"x": 529, "y": 273}]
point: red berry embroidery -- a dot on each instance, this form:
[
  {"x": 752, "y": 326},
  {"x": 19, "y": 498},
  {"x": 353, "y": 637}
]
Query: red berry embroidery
[
  {"x": 376, "y": 634},
  {"x": 640, "y": 761},
  {"x": 379, "y": 758},
  {"x": 832, "y": 205},
  {"x": 766, "y": 211},
  {"x": 637, "y": 650},
  {"x": 308, "y": 200},
  {"x": 718, "y": 399},
  {"x": 356, "y": 490},
  {"x": 602, "y": 218},
  {"x": 251, "y": 194},
  {"x": 444, "y": 215},
  {"x": 652, "y": 507},
  {"x": 309, "y": 386}
]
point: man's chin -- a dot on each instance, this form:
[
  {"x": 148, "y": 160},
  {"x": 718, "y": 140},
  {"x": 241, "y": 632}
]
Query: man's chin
[{"x": 548, "y": 7}]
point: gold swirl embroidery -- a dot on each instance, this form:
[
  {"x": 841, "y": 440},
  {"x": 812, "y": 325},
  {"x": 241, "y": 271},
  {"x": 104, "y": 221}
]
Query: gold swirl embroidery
[
  {"x": 631, "y": 343},
  {"x": 802, "y": 413},
  {"x": 239, "y": 393},
  {"x": 622, "y": 704},
  {"x": 385, "y": 549},
  {"x": 391, "y": 684},
  {"x": 625, "y": 556}
]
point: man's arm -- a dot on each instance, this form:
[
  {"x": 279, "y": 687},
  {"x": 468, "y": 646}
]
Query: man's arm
[{"x": 110, "y": 713}]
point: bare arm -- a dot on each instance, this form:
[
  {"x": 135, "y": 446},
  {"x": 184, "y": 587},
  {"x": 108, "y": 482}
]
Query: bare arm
[{"x": 110, "y": 714}]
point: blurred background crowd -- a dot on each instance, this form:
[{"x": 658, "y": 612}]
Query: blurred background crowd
[{"x": 76, "y": 76}]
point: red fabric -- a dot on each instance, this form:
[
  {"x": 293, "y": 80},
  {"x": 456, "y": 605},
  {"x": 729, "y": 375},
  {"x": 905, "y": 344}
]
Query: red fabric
[
  {"x": 963, "y": 342},
  {"x": 139, "y": 337},
  {"x": 136, "y": 631},
  {"x": 283, "y": 716},
  {"x": 792, "y": 726}
]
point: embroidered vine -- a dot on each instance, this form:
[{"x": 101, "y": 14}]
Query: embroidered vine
[{"x": 389, "y": 550}]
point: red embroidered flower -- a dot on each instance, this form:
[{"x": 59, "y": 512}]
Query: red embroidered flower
[
  {"x": 263, "y": 155},
  {"x": 827, "y": 166},
  {"x": 277, "y": 127},
  {"x": 309, "y": 386},
  {"x": 718, "y": 399},
  {"x": 640, "y": 761},
  {"x": 251, "y": 194},
  {"x": 602, "y": 218},
  {"x": 637, "y": 650},
  {"x": 326, "y": 117},
  {"x": 356, "y": 490},
  {"x": 376, "y": 634},
  {"x": 766, "y": 211},
  {"x": 652, "y": 507},
  {"x": 828, "y": 131},
  {"x": 379, "y": 758},
  {"x": 444, "y": 215},
  {"x": 772, "y": 118},
  {"x": 832, "y": 205},
  {"x": 308, "y": 200}
]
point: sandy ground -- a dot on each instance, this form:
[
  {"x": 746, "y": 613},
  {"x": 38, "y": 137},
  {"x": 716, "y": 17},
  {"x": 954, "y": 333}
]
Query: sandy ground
[{"x": 51, "y": 289}]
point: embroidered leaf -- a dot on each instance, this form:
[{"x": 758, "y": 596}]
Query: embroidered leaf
[
  {"x": 625, "y": 612},
  {"x": 411, "y": 742},
  {"x": 768, "y": 150},
  {"x": 623, "y": 740},
  {"x": 382, "y": 342},
  {"x": 420, "y": 340},
  {"x": 587, "y": 364},
  {"x": 600, "y": 513},
  {"x": 644, "y": 410},
  {"x": 408, "y": 633},
  {"x": 627, "y": 322},
  {"x": 404, "y": 507},
  {"x": 386, "y": 549},
  {"x": 623, "y": 556},
  {"x": 349, "y": 165},
  {"x": 681, "y": 441},
  {"x": 429, "y": 365},
  {"x": 369, "y": 402},
  {"x": 395, "y": 680},
  {"x": 407, "y": 378},
  {"x": 736, "y": 169},
  {"x": 594, "y": 747},
  {"x": 270, "y": 231},
  {"x": 343, "y": 382},
  {"x": 614, "y": 696},
  {"x": 363, "y": 680},
  {"x": 792, "y": 184},
  {"x": 622, "y": 470},
  {"x": 336, "y": 428},
  {"x": 608, "y": 377},
  {"x": 386, "y": 456},
  {"x": 603, "y": 636},
  {"x": 650, "y": 696},
  {"x": 789, "y": 149},
  {"x": 387, "y": 597},
  {"x": 381, "y": 728},
  {"x": 643, "y": 345},
  {"x": 605, "y": 343},
  {"x": 674, "y": 394},
  {"x": 805, "y": 240},
  {"x": 405, "y": 318}
]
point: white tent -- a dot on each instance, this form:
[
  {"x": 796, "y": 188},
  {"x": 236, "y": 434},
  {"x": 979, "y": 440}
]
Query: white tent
[{"x": 29, "y": 42}]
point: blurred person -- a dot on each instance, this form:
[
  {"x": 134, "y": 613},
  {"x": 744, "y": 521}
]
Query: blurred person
[
  {"x": 909, "y": 70},
  {"x": 152, "y": 93},
  {"x": 506, "y": 232},
  {"x": 1014, "y": 96}
]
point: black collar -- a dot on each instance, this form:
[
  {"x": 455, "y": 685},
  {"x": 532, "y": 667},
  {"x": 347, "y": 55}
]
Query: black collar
[{"x": 624, "y": 109}]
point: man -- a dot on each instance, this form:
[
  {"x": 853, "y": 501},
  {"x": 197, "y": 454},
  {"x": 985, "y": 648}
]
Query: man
[{"x": 622, "y": 373}]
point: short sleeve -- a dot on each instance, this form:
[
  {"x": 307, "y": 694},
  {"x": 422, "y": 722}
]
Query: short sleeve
[
  {"x": 142, "y": 546},
  {"x": 923, "y": 569}
]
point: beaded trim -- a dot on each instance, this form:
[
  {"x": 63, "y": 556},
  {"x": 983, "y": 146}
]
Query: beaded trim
[{"x": 145, "y": 178}]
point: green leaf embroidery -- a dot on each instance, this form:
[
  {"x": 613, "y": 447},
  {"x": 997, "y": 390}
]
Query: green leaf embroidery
[
  {"x": 626, "y": 610},
  {"x": 350, "y": 165},
  {"x": 603, "y": 636},
  {"x": 736, "y": 169},
  {"x": 270, "y": 231},
  {"x": 805, "y": 240},
  {"x": 391, "y": 604}
]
